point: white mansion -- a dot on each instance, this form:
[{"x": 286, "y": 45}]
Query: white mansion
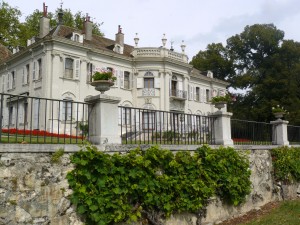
[{"x": 59, "y": 64}]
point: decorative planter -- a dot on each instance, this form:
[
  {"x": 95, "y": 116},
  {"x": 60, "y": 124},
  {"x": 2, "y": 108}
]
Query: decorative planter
[
  {"x": 278, "y": 115},
  {"x": 220, "y": 105},
  {"x": 102, "y": 85}
]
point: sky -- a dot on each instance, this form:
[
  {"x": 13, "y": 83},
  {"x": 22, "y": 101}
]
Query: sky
[{"x": 197, "y": 22}]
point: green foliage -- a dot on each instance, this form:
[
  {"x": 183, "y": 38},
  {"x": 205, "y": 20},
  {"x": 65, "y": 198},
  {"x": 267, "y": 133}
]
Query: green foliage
[
  {"x": 13, "y": 33},
  {"x": 104, "y": 75},
  {"x": 286, "y": 163},
  {"x": 10, "y": 24},
  {"x": 84, "y": 127},
  {"x": 141, "y": 184},
  {"x": 226, "y": 98},
  {"x": 55, "y": 158}
]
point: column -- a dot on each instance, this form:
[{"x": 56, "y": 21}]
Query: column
[
  {"x": 222, "y": 128},
  {"x": 103, "y": 119},
  {"x": 279, "y": 136}
]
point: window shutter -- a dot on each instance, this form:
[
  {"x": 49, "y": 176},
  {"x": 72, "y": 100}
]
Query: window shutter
[
  {"x": 121, "y": 77},
  {"x": 191, "y": 92},
  {"x": 7, "y": 81},
  {"x": 157, "y": 82},
  {"x": 3, "y": 83},
  {"x": 77, "y": 68},
  {"x": 34, "y": 70},
  {"x": 35, "y": 114},
  {"x": 180, "y": 85},
  {"x": 139, "y": 82},
  {"x": 23, "y": 75},
  {"x": 21, "y": 113},
  {"x": 10, "y": 81},
  {"x": 195, "y": 93}
]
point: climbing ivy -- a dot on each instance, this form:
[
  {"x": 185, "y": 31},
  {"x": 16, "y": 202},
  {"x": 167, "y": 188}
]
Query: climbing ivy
[
  {"x": 286, "y": 164},
  {"x": 154, "y": 183}
]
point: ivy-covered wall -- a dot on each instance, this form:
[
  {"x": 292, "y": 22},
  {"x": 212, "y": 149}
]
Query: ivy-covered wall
[{"x": 34, "y": 188}]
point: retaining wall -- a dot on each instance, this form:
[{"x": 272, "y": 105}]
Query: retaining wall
[{"x": 35, "y": 191}]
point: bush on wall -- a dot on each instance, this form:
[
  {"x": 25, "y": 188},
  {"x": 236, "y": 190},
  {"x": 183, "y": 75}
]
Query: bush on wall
[
  {"x": 155, "y": 183},
  {"x": 286, "y": 163}
]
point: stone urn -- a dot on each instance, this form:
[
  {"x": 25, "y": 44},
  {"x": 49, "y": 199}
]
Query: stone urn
[
  {"x": 279, "y": 115},
  {"x": 102, "y": 85},
  {"x": 219, "y": 105}
]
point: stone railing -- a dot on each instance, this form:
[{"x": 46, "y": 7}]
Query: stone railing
[{"x": 159, "y": 53}]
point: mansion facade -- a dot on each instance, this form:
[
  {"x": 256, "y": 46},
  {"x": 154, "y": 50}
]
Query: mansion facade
[{"x": 59, "y": 64}]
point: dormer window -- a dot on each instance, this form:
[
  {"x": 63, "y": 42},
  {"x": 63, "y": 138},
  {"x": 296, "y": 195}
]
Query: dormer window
[
  {"x": 118, "y": 49},
  {"x": 77, "y": 37}
]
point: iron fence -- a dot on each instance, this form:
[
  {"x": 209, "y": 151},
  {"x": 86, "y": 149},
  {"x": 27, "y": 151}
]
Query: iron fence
[
  {"x": 245, "y": 132},
  {"x": 293, "y": 134},
  {"x": 144, "y": 126},
  {"x": 26, "y": 119}
]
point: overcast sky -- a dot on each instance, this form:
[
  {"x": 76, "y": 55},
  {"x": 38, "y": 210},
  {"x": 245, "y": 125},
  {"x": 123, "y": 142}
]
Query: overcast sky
[{"x": 197, "y": 22}]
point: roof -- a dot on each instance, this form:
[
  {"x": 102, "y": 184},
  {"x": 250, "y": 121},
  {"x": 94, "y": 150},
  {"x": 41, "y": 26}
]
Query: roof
[
  {"x": 4, "y": 52},
  {"x": 97, "y": 42}
]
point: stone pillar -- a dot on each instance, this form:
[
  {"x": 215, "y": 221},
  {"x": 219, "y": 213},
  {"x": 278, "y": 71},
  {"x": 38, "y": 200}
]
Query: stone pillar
[
  {"x": 279, "y": 136},
  {"x": 222, "y": 128},
  {"x": 103, "y": 119}
]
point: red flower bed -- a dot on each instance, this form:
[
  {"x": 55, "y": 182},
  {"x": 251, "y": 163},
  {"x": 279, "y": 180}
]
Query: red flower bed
[
  {"x": 38, "y": 133},
  {"x": 240, "y": 140}
]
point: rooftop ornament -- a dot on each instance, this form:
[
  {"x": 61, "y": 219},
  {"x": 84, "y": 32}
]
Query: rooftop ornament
[
  {"x": 164, "y": 40},
  {"x": 136, "y": 40}
]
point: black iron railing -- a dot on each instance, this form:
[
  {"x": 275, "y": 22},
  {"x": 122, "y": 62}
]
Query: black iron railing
[
  {"x": 245, "y": 132},
  {"x": 293, "y": 134},
  {"x": 26, "y": 119},
  {"x": 143, "y": 126}
]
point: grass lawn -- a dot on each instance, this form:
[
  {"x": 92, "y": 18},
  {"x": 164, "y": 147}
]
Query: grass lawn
[{"x": 288, "y": 213}]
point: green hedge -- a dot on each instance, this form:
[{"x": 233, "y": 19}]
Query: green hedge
[{"x": 155, "y": 183}]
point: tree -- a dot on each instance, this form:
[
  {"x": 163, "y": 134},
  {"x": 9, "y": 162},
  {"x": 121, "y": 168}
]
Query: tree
[
  {"x": 215, "y": 59},
  {"x": 264, "y": 65},
  {"x": 9, "y": 26}
]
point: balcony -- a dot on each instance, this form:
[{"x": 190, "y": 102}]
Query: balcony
[{"x": 178, "y": 94}]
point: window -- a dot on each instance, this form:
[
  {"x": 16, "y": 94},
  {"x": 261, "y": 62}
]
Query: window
[
  {"x": 69, "y": 64},
  {"x": 40, "y": 69},
  {"x": 11, "y": 115},
  {"x": 174, "y": 85},
  {"x": 27, "y": 74},
  {"x": 126, "y": 80},
  {"x": 148, "y": 80},
  {"x": 90, "y": 69},
  {"x": 148, "y": 120},
  {"x": 67, "y": 110},
  {"x": 198, "y": 94},
  {"x": 76, "y": 37},
  {"x": 13, "y": 79},
  {"x": 207, "y": 95}
]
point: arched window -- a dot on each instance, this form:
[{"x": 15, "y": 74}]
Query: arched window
[
  {"x": 148, "y": 80},
  {"x": 67, "y": 108},
  {"x": 174, "y": 85}
]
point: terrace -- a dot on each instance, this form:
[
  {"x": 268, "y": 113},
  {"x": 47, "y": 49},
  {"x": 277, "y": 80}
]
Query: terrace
[{"x": 34, "y": 120}]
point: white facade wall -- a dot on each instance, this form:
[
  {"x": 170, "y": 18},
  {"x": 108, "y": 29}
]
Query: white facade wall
[{"x": 172, "y": 89}]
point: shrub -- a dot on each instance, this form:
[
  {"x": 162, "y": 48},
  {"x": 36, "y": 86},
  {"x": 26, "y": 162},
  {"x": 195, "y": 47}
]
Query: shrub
[
  {"x": 154, "y": 183},
  {"x": 286, "y": 164}
]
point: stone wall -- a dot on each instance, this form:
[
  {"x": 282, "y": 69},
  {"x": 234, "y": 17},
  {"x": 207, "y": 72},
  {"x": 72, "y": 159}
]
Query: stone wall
[{"x": 33, "y": 190}]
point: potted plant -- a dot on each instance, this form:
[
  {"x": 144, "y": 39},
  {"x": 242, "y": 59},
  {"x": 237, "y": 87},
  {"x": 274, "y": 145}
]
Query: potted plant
[
  {"x": 220, "y": 101},
  {"x": 278, "y": 111},
  {"x": 103, "y": 80}
]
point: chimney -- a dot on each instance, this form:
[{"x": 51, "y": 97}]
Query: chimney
[
  {"x": 60, "y": 16},
  {"x": 88, "y": 28},
  {"x": 44, "y": 23},
  {"x": 120, "y": 36}
]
